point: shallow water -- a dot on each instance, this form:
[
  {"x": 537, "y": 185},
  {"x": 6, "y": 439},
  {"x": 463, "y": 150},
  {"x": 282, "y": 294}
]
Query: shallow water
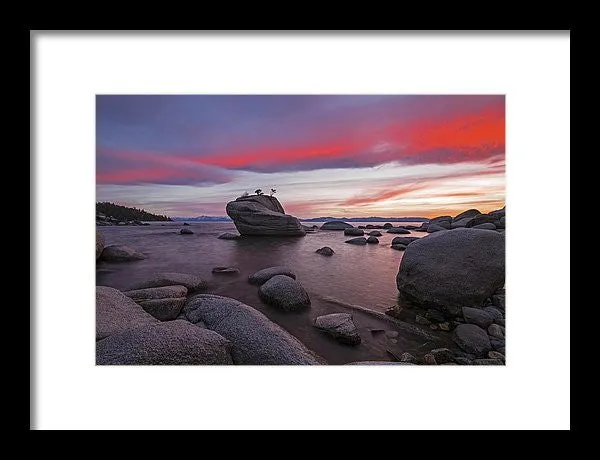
[{"x": 362, "y": 276}]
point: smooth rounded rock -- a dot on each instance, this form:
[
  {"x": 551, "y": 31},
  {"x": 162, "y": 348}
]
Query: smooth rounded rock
[
  {"x": 477, "y": 316},
  {"x": 229, "y": 236},
  {"x": 336, "y": 225},
  {"x": 284, "y": 293},
  {"x": 361, "y": 241},
  {"x": 325, "y": 251},
  {"x": 261, "y": 215},
  {"x": 186, "y": 231},
  {"x": 340, "y": 326},
  {"x": 472, "y": 339},
  {"x": 173, "y": 343},
  {"x": 191, "y": 282},
  {"x": 372, "y": 240},
  {"x": 264, "y": 275},
  {"x": 398, "y": 230},
  {"x": 354, "y": 232},
  {"x": 121, "y": 253}
]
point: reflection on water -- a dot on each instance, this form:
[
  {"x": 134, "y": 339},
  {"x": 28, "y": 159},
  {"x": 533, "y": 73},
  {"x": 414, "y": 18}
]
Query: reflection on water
[{"x": 356, "y": 275}]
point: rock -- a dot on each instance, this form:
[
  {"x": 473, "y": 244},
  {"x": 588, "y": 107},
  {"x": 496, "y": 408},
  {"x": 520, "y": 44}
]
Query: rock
[
  {"x": 354, "y": 232},
  {"x": 340, "y": 326},
  {"x": 486, "y": 226},
  {"x": 405, "y": 240},
  {"x": 115, "y": 313},
  {"x": 255, "y": 339},
  {"x": 468, "y": 214},
  {"x": 372, "y": 240},
  {"x": 191, "y": 282},
  {"x": 399, "y": 230},
  {"x": 325, "y": 251},
  {"x": 502, "y": 222},
  {"x": 226, "y": 270},
  {"x": 262, "y": 215},
  {"x": 264, "y": 275},
  {"x": 377, "y": 363},
  {"x": 435, "y": 316},
  {"x": 496, "y": 331},
  {"x": 477, "y": 316},
  {"x": 387, "y": 225},
  {"x": 99, "y": 244},
  {"x": 432, "y": 228},
  {"x": 440, "y": 220},
  {"x": 228, "y": 236},
  {"x": 398, "y": 247},
  {"x": 362, "y": 227},
  {"x": 472, "y": 339},
  {"x": 360, "y": 240},
  {"x": 496, "y": 355},
  {"x": 488, "y": 362},
  {"x": 433, "y": 327},
  {"x": 408, "y": 358},
  {"x": 463, "y": 361},
  {"x": 429, "y": 359},
  {"x": 482, "y": 219},
  {"x": 375, "y": 233},
  {"x": 497, "y": 344},
  {"x": 285, "y": 293},
  {"x": 442, "y": 355},
  {"x": 452, "y": 269},
  {"x": 165, "y": 292},
  {"x": 391, "y": 334},
  {"x": 186, "y": 231},
  {"x": 500, "y": 322},
  {"x": 498, "y": 213},
  {"x": 422, "y": 320},
  {"x": 461, "y": 223},
  {"x": 173, "y": 342},
  {"x": 119, "y": 253},
  {"x": 185, "y": 223},
  {"x": 163, "y": 309},
  {"x": 499, "y": 301},
  {"x": 494, "y": 313}
]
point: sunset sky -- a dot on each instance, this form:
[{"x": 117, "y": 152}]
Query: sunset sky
[{"x": 350, "y": 156}]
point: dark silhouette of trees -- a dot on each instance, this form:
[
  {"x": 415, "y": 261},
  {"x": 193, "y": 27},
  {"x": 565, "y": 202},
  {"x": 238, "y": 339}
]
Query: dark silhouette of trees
[
  {"x": 127, "y": 214},
  {"x": 258, "y": 191},
  {"x": 273, "y": 191}
]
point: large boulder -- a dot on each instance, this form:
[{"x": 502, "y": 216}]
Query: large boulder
[
  {"x": 175, "y": 342},
  {"x": 115, "y": 313},
  {"x": 99, "y": 244},
  {"x": 336, "y": 225},
  {"x": 340, "y": 326},
  {"x": 284, "y": 293},
  {"x": 469, "y": 213},
  {"x": 119, "y": 253},
  {"x": 164, "y": 303},
  {"x": 432, "y": 228},
  {"x": 264, "y": 275},
  {"x": 262, "y": 215},
  {"x": 453, "y": 269},
  {"x": 461, "y": 223},
  {"x": 354, "y": 232},
  {"x": 255, "y": 339},
  {"x": 483, "y": 219},
  {"x": 191, "y": 282}
]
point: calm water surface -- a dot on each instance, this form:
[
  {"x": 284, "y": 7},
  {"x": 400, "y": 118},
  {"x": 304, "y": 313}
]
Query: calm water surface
[{"x": 354, "y": 275}]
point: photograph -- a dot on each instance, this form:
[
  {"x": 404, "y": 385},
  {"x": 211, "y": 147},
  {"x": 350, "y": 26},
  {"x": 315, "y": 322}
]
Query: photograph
[{"x": 300, "y": 229}]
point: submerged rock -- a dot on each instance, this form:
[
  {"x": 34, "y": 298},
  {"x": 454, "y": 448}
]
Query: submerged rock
[
  {"x": 120, "y": 253},
  {"x": 173, "y": 342},
  {"x": 325, "y": 251},
  {"x": 399, "y": 230},
  {"x": 285, "y": 293},
  {"x": 262, "y": 215},
  {"x": 336, "y": 225},
  {"x": 255, "y": 339},
  {"x": 405, "y": 240},
  {"x": 375, "y": 233},
  {"x": 191, "y": 282},
  {"x": 354, "y": 232},
  {"x": 264, "y": 275},
  {"x": 228, "y": 236},
  {"x": 226, "y": 270},
  {"x": 398, "y": 247},
  {"x": 452, "y": 269},
  {"x": 340, "y": 326},
  {"x": 359, "y": 241},
  {"x": 372, "y": 240},
  {"x": 186, "y": 231}
]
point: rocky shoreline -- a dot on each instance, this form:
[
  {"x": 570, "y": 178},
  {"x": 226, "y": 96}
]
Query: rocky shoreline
[{"x": 450, "y": 284}]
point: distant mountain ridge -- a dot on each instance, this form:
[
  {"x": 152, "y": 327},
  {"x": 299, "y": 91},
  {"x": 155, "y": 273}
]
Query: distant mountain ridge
[
  {"x": 367, "y": 219},
  {"x": 312, "y": 219},
  {"x": 106, "y": 211}
]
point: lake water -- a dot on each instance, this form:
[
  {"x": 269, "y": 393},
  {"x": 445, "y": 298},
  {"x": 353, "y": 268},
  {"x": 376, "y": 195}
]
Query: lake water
[{"x": 362, "y": 276}]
